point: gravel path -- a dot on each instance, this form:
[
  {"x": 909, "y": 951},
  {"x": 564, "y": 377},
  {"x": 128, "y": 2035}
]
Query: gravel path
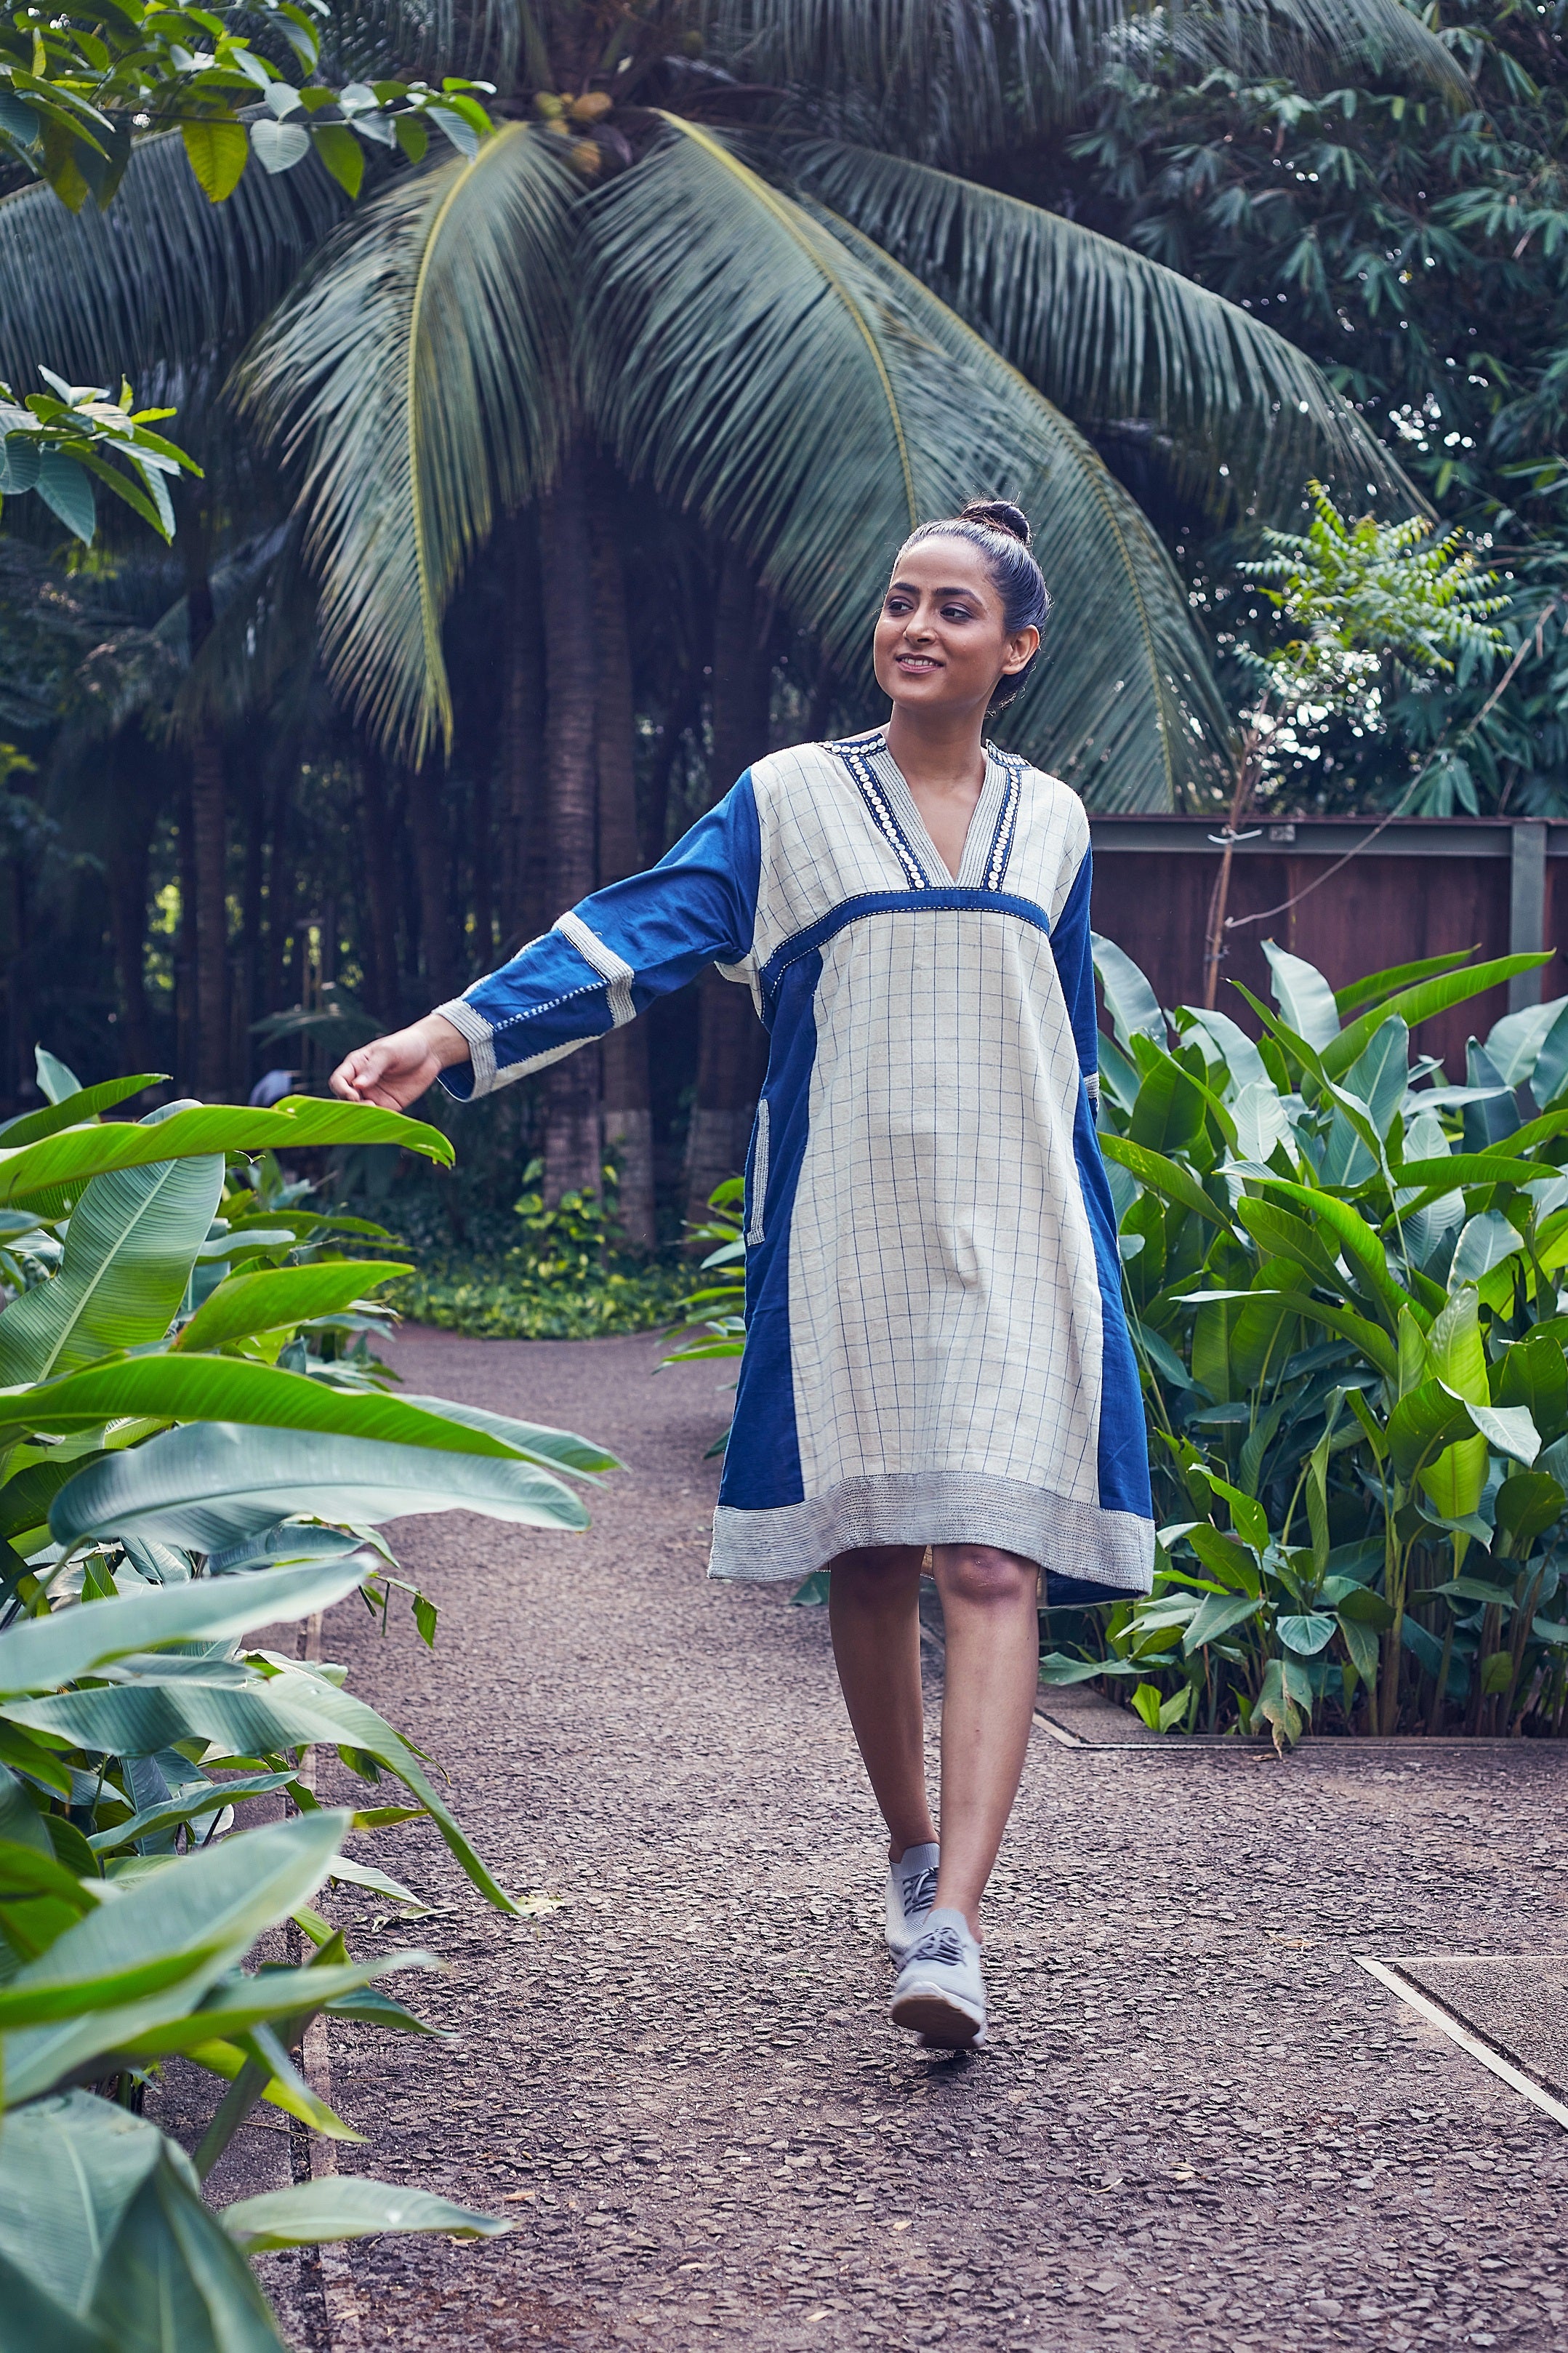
[{"x": 1201, "y": 2124}]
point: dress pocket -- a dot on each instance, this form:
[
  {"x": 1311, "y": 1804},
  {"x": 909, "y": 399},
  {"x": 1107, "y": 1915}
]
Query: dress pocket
[{"x": 759, "y": 1176}]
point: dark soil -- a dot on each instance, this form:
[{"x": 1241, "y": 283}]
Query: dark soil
[{"x": 1201, "y": 2126}]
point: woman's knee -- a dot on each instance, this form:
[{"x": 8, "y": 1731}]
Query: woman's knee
[
  {"x": 874, "y": 1570},
  {"x": 983, "y": 1575}
]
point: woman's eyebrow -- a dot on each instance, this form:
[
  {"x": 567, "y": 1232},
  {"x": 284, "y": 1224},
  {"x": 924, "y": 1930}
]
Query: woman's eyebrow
[{"x": 911, "y": 588}]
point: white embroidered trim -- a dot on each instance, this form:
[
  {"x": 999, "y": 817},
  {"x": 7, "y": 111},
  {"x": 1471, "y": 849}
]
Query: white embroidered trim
[
  {"x": 759, "y": 1178},
  {"x": 481, "y": 1041},
  {"x": 606, "y": 963}
]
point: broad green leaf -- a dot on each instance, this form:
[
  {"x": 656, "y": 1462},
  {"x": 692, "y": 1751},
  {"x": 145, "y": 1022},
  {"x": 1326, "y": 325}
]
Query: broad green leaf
[
  {"x": 1375, "y": 985},
  {"x": 535, "y": 1442},
  {"x": 42, "y": 1652},
  {"x": 278, "y": 145},
  {"x": 1133, "y": 1007},
  {"x": 1248, "y": 1514},
  {"x": 66, "y": 489},
  {"x": 286, "y": 1710},
  {"x": 248, "y": 1304},
  {"x": 1282, "y": 1234},
  {"x": 1217, "y": 1614},
  {"x": 1487, "y": 1240},
  {"x": 1169, "y": 1178},
  {"x": 73, "y": 1108},
  {"x": 1509, "y": 1428},
  {"x": 194, "y": 1806},
  {"x": 57, "y": 1080},
  {"x": 218, "y": 152},
  {"x": 1360, "y": 1643},
  {"x": 1170, "y": 1110},
  {"x": 177, "y": 1387},
  {"x": 1356, "y": 1237},
  {"x": 1308, "y": 1633},
  {"x": 1456, "y": 1350},
  {"x": 1241, "y": 1057},
  {"x": 1262, "y": 1123},
  {"x": 1514, "y": 1044},
  {"x": 171, "y": 2278},
  {"x": 249, "y": 1998},
  {"x": 1527, "y": 1503},
  {"x": 130, "y": 1247},
  {"x": 211, "y": 1485},
  {"x": 68, "y": 2168},
  {"x": 1532, "y": 1374},
  {"x": 341, "y": 153},
  {"x": 1423, "y": 1423},
  {"x": 1416, "y": 1004},
  {"x": 344, "y": 2207},
  {"x": 298, "y": 1124},
  {"x": 1304, "y": 997},
  {"x": 207, "y": 1909},
  {"x": 1381, "y": 1073}
]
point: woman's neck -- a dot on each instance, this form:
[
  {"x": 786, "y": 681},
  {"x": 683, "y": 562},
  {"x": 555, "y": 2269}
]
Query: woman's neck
[{"x": 938, "y": 749}]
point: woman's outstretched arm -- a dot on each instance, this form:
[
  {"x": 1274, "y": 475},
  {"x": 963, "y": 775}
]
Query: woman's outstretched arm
[{"x": 599, "y": 965}]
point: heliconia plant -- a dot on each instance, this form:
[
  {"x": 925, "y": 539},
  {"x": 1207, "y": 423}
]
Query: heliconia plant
[
  {"x": 195, "y": 1444},
  {"x": 1343, "y": 1278}
]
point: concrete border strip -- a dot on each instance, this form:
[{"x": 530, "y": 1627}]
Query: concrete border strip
[
  {"x": 1467, "y": 2041},
  {"x": 344, "y": 2333}
]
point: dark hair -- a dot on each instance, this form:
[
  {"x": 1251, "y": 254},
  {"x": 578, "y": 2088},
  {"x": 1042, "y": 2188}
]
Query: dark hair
[{"x": 1001, "y": 532}]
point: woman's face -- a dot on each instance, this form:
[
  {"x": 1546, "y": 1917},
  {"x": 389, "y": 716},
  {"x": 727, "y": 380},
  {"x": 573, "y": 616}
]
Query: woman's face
[{"x": 941, "y": 642}]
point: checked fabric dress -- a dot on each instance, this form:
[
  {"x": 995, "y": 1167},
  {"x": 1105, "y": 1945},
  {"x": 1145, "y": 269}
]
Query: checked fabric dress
[{"x": 935, "y": 1346}]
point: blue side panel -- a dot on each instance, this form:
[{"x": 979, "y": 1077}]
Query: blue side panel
[
  {"x": 762, "y": 1461},
  {"x": 1070, "y": 944},
  {"x": 1123, "y": 1439}
]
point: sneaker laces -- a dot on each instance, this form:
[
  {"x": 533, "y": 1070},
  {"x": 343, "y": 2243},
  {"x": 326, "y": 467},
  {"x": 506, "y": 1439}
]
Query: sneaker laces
[
  {"x": 942, "y": 1945},
  {"x": 920, "y": 1891}
]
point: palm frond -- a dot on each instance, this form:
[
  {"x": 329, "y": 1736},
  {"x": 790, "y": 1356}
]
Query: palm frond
[
  {"x": 1110, "y": 335},
  {"x": 948, "y": 79},
  {"x": 162, "y": 282},
  {"x": 1123, "y": 703},
  {"x": 419, "y": 373},
  {"x": 767, "y": 365}
]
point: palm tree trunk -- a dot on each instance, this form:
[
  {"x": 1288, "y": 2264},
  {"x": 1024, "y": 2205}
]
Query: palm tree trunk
[
  {"x": 433, "y": 868},
  {"x": 247, "y": 997},
  {"x": 279, "y": 897},
  {"x": 129, "y": 874},
  {"x": 732, "y": 1048},
  {"x": 520, "y": 766},
  {"x": 572, "y": 1132},
  {"x": 627, "y": 1114},
  {"x": 482, "y": 855},
  {"x": 380, "y": 889},
  {"x": 209, "y": 857}
]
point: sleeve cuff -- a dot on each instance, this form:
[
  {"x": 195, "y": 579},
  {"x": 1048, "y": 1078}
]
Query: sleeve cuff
[{"x": 481, "y": 1049}]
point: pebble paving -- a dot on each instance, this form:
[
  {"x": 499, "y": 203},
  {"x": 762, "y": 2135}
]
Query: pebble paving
[{"x": 1201, "y": 2124}]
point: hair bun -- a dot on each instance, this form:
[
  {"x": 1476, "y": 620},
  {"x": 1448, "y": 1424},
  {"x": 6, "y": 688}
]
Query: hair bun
[{"x": 998, "y": 514}]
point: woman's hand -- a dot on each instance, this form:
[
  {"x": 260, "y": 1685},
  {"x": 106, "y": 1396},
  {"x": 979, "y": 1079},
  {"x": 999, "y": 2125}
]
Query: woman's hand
[{"x": 395, "y": 1071}]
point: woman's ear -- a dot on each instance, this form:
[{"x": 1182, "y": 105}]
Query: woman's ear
[{"x": 1022, "y": 647}]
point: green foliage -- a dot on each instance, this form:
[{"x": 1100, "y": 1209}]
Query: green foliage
[
  {"x": 1419, "y": 255},
  {"x": 73, "y": 97},
  {"x": 1364, "y": 594},
  {"x": 1345, "y": 1296},
  {"x": 194, "y": 1443},
  {"x": 571, "y": 1278},
  {"x": 59, "y": 442}
]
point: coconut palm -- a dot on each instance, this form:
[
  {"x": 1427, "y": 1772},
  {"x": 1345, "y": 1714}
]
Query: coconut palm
[{"x": 751, "y": 250}]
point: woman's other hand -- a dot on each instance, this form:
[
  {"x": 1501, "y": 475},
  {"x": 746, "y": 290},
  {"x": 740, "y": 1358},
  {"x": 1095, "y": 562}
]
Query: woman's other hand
[{"x": 395, "y": 1071}]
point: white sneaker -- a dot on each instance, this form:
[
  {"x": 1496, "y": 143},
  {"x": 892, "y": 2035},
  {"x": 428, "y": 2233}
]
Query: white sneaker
[
  {"x": 911, "y": 1890},
  {"x": 940, "y": 1994}
]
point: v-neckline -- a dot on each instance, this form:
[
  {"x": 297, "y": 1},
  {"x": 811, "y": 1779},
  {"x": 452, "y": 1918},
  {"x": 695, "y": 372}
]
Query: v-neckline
[{"x": 982, "y": 819}]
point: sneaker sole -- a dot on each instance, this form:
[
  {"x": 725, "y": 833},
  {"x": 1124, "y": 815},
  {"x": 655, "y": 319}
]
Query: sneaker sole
[{"x": 938, "y": 2020}]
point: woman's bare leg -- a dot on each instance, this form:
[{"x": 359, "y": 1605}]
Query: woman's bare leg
[
  {"x": 989, "y": 1601},
  {"x": 874, "y": 1611}
]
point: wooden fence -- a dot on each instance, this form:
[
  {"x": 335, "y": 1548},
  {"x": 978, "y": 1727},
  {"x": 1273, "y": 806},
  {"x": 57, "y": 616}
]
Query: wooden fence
[{"x": 1423, "y": 886}]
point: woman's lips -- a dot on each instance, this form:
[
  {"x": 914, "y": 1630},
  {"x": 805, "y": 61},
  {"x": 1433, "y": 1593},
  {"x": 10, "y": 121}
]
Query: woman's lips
[{"x": 921, "y": 662}]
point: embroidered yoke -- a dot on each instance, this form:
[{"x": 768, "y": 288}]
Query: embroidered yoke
[{"x": 935, "y": 1344}]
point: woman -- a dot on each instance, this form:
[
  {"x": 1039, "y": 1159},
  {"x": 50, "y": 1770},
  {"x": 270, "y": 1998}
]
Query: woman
[{"x": 935, "y": 1349}]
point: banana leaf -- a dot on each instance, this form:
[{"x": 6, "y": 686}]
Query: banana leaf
[
  {"x": 285, "y": 1295},
  {"x": 344, "y": 2207}
]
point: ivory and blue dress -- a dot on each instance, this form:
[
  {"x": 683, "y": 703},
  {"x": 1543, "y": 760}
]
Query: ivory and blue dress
[{"x": 935, "y": 1345}]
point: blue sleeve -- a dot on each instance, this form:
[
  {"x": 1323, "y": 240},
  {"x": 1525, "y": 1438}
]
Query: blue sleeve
[
  {"x": 610, "y": 957},
  {"x": 1072, "y": 944}
]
